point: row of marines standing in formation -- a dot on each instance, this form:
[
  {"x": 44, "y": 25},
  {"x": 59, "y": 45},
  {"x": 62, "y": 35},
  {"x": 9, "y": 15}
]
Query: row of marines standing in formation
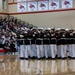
[{"x": 47, "y": 43}]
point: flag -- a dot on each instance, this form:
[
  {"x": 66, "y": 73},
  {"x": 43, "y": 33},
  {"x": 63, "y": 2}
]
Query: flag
[
  {"x": 53, "y": 4},
  {"x": 3, "y": 4},
  {"x": 22, "y": 7},
  {"x": 42, "y": 5},
  {"x": 32, "y": 6},
  {"x": 67, "y": 3}
]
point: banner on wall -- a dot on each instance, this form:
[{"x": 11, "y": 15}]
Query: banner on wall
[
  {"x": 67, "y": 3},
  {"x": 53, "y": 4},
  {"x": 22, "y": 7},
  {"x": 32, "y": 6},
  {"x": 20, "y": 0},
  {"x": 42, "y": 5},
  {"x": 3, "y": 4}
]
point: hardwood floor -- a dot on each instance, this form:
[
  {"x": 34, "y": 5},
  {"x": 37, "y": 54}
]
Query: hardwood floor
[{"x": 12, "y": 65}]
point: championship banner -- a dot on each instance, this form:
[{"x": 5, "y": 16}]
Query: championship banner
[
  {"x": 4, "y": 4},
  {"x": 32, "y": 6},
  {"x": 22, "y": 7},
  {"x": 67, "y": 3},
  {"x": 53, "y": 4},
  {"x": 21, "y": 0},
  {"x": 42, "y": 5}
]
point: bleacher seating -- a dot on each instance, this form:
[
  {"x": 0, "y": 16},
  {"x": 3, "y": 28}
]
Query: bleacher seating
[{"x": 13, "y": 25}]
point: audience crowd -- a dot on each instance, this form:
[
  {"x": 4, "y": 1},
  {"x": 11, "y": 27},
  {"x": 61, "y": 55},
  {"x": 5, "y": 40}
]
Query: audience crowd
[
  {"x": 10, "y": 28},
  {"x": 30, "y": 41}
]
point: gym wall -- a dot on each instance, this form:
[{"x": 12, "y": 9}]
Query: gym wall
[{"x": 63, "y": 19}]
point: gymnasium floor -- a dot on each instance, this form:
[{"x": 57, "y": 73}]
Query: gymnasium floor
[{"x": 12, "y": 65}]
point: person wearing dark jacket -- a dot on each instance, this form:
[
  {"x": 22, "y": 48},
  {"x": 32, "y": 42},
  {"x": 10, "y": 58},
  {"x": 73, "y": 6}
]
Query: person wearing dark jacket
[
  {"x": 13, "y": 47},
  {"x": 7, "y": 47}
]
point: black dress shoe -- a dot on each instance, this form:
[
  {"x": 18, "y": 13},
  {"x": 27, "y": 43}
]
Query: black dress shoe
[
  {"x": 64, "y": 58},
  {"x": 22, "y": 58},
  {"x": 72, "y": 57}
]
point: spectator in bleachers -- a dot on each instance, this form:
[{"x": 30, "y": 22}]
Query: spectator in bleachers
[
  {"x": 0, "y": 42},
  {"x": 13, "y": 46},
  {"x": 9, "y": 26},
  {"x": 7, "y": 47}
]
